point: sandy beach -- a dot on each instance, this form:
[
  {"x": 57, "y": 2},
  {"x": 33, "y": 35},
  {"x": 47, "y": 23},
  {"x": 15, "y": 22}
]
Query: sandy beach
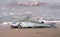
[{"x": 30, "y": 32}]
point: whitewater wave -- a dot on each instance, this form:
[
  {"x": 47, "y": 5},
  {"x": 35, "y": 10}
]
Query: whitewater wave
[
  {"x": 25, "y": 4},
  {"x": 6, "y": 23}
]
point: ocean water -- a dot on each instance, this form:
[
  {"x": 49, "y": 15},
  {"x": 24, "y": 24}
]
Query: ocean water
[{"x": 14, "y": 12}]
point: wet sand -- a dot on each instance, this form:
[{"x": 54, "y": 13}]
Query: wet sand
[{"x": 30, "y": 32}]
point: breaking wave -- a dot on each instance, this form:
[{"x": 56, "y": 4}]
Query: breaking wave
[{"x": 25, "y": 4}]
